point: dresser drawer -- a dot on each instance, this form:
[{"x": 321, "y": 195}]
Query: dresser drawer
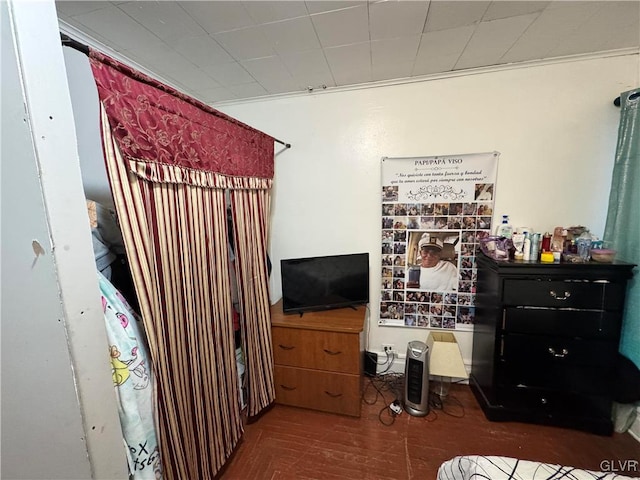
[
  {"x": 563, "y": 322},
  {"x": 550, "y": 352},
  {"x": 330, "y": 351},
  {"x": 326, "y": 391},
  {"x": 567, "y": 294},
  {"x": 556, "y": 404}
]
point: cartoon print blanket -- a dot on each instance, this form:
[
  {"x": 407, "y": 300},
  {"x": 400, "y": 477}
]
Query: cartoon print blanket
[{"x": 132, "y": 377}]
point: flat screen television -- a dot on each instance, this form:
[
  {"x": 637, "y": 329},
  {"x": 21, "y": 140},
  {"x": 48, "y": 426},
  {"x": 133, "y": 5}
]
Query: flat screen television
[{"x": 322, "y": 283}]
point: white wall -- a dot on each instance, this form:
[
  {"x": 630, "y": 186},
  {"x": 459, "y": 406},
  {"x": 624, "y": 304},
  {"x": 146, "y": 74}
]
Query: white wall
[
  {"x": 554, "y": 125},
  {"x": 59, "y": 414}
]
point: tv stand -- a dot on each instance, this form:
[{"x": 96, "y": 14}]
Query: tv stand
[{"x": 318, "y": 359}]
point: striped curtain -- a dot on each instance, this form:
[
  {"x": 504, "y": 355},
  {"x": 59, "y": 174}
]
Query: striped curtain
[
  {"x": 250, "y": 209},
  {"x": 169, "y": 178}
]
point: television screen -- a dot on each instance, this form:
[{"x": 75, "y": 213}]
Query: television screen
[{"x": 322, "y": 283}]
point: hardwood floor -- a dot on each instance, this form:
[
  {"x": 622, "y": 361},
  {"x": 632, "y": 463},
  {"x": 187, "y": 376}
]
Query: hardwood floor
[{"x": 293, "y": 443}]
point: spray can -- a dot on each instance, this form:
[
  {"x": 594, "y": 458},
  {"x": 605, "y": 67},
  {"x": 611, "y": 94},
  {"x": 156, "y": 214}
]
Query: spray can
[{"x": 535, "y": 247}]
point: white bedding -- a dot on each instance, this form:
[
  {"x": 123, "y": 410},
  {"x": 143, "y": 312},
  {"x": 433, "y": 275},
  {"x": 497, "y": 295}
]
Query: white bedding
[{"x": 478, "y": 467}]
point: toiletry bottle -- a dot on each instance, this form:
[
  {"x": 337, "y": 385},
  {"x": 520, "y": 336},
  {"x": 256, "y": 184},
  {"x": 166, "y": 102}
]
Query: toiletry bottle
[
  {"x": 526, "y": 250},
  {"x": 546, "y": 243},
  {"x": 504, "y": 229},
  {"x": 535, "y": 247}
]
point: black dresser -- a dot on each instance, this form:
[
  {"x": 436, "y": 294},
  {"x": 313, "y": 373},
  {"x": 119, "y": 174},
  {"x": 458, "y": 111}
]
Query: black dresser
[{"x": 545, "y": 341}]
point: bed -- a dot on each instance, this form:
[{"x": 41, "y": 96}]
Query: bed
[{"x": 493, "y": 467}]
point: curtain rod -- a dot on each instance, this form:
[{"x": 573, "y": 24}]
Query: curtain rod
[{"x": 67, "y": 41}]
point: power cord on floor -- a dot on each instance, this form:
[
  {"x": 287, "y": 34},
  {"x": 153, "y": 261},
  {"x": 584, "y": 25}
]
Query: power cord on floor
[
  {"x": 385, "y": 386},
  {"x": 391, "y": 385}
]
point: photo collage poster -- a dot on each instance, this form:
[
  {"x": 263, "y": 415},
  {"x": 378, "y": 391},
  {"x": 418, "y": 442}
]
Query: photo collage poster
[{"x": 435, "y": 210}]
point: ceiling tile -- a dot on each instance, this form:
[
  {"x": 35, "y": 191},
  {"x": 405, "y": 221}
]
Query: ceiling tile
[
  {"x": 342, "y": 27},
  {"x": 160, "y": 58},
  {"x": 218, "y": 16},
  {"x": 292, "y": 35},
  {"x": 440, "y": 50},
  {"x": 266, "y": 11},
  {"x": 165, "y": 19},
  {"x": 353, "y": 76},
  {"x": 308, "y": 63},
  {"x": 309, "y": 68},
  {"x": 444, "y": 15},
  {"x": 394, "y": 50},
  {"x": 227, "y": 74},
  {"x": 391, "y": 71},
  {"x": 315, "y": 6},
  {"x": 202, "y": 50},
  {"x": 267, "y": 68},
  {"x": 600, "y": 31},
  {"x": 397, "y": 18},
  {"x": 550, "y": 29},
  {"x": 195, "y": 79},
  {"x": 71, "y": 8},
  {"x": 491, "y": 40},
  {"x": 116, "y": 25},
  {"x": 213, "y": 95},
  {"x": 248, "y": 90},
  {"x": 356, "y": 56},
  {"x": 505, "y": 9},
  {"x": 245, "y": 43}
]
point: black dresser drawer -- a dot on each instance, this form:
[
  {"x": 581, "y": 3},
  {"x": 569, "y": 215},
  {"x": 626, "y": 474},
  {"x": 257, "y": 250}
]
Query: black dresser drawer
[
  {"x": 563, "y": 294},
  {"x": 563, "y": 322},
  {"x": 554, "y": 403},
  {"x": 549, "y": 353}
]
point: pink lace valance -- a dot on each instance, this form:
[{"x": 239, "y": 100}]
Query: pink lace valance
[{"x": 154, "y": 123}]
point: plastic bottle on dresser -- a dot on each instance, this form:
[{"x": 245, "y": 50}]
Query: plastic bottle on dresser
[
  {"x": 526, "y": 251},
  {"x": 504, "y": 229},
  {"x": 535, "y": 246}
]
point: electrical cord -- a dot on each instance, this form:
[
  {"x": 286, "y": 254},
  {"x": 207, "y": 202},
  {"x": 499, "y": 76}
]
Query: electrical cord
[{"x": 385, "y": 383}]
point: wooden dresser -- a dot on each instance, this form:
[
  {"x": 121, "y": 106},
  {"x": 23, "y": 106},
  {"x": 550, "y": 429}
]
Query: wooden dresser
[
  {"x": 318, "y": 358},
  {"x": 545, "y": 341}
]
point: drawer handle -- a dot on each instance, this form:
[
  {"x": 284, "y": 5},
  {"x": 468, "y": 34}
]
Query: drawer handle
[
  {"x": 557, "y": 297},
  {"x": 331, "y": 352},
  {"x": 286, "y": 347},
  {"x": 290, "y": 389},
  {"x": 562, "y": 354},
  {"x": 544, "y": 401},
  {"x": 333, "y": 395}
]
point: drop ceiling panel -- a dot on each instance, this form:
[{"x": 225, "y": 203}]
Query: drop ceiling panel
[
  {"x": 229, "y": 74},
  {"x": 342, "y": 27},
  {"x": 445, "y": 15},
  {"x": 202, "y": 50},
  {"x": 492, "y": 40},
  {"x": 166, "y": 20},
  {"x": 440, "y": 50},
  {"x": 315, "y": 6},
  {"x": 309, "y": 68},
  {"x": 292, "y": 35},
  {"x": 550, "y": 29},
  {"x": 394, "y": 50},
  {"x": 269, "y": 11},
  {"x": 394, "y": 19},
  {"x": 506, "y": 9},
  {"x": 246, "y": 43},
  {"x": 120, "y": 28},
  {"x": 218, "y": 16}
]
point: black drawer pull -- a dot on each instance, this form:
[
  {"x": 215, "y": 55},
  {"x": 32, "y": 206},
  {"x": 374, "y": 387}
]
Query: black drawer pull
[
  {"x": 555, "y": 295},
  {"x": 333, "y": 395},
  {"x": 290, "y": 389},
  {"x": 331, "y": 352},
  {"x": 562, "y": 354},
  {"x": 286, "y": 347}
]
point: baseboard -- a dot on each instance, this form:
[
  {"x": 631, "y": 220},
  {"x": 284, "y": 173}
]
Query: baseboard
[{"x": 634, "y": 430}]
